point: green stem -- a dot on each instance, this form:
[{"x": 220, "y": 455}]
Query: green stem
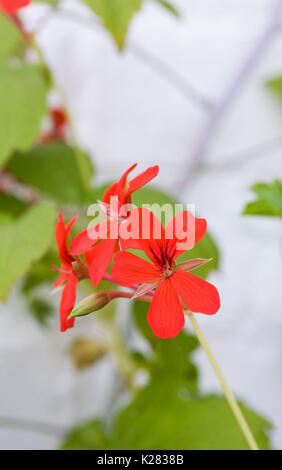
[
  {"x": 125, "y": 365},
  {"x": 226, "y": 390}
]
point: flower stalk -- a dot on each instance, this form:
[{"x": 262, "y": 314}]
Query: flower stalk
[
  {"x": 121, "y": 357},
  {"x": 226, "y": 390}
]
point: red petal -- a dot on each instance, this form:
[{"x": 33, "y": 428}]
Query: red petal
[
  {"x": 117, "y": 189},
  {"x": 111, "y": 191},
  {"x": 101, "y": 256},
  {"x": 198, "y": 295},
  {"x": 127, "y": 244},
  {"x": 165, "y": 315},
  {"x": 62, "y": 232},
  {"x": 122, "y": 183},
  {"x": 141, "y": 180},
  {"x": 83, "y": 242},
  {"x": 11, "y": 6},
  {"x": 67, "y": 302},
  {"x": 184, "y": 228},
  {"x": 129, "y": 269},
  {"x": 63, "y": 276},
  {"x": 147, "y": 233}
]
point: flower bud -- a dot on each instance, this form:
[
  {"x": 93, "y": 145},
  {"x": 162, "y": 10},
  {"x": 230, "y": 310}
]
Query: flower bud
[
  {"x": 85, "y": 352},
  {"x": 91, "y": 304}
]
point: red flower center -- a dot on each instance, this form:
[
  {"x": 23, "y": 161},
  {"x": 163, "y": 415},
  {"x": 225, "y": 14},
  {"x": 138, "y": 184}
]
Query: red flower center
[
  {"x": 167, "y": 271},
  {"x": 164, "y": 254}
]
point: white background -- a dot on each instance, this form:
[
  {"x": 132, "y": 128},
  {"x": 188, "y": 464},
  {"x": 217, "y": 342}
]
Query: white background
[{"x": 126, "y": 112}]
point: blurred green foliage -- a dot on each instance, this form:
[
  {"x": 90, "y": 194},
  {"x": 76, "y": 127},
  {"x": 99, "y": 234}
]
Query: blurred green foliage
[
  {"x": 169, "y": 359},
  {"x": 11, "y": 42},
  {"x": 275, "y": 86},
  {"x": 116, "y": 15},
  {"x": 168, "y": 6},
  {"x": 269, "y": 200},
  {"x": 26, "y": 88},
  {"x": 53, "y": 170},
  {"x": 24, "y": 241},
  {"x": 11, "y": 205},
  {"x": 41, "y": 310},
  {"x": 161, "y": 416}
]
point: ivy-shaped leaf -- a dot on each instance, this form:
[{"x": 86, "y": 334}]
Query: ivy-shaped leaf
[
  {"x": 269, "y": 200},
  {"x": 116, "y": 15},
  {"x": 160, "y": 418}
]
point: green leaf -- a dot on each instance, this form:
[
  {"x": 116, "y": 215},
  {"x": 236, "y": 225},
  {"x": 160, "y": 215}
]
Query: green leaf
[
  {"x": 168, "y": 6},
  {"x": 269, "y": 200},
  {"x": 23, "y": 242},
  {"x": 161, "y": 418},
  {"x": 275, "y": 86},
  {"x": 5, "y": 218},
  {"x": 41, "y": 272},
  {"x": 23, "y": 92},
  {"x": 116, "y": 15},
  {"x": 11, "y": 42},
  {"x": 41, "y": 310},
  {"x": 90, "y": 435},
  {"x": 170, "y": 357},
  {"x": 53, "y": 169},
  {"x": 11, "y": 205}
]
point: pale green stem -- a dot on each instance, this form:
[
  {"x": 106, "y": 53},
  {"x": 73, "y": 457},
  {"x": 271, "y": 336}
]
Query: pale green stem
[
  {"x": 226, "y": 390},
  {"x": 125, "y": 365}
]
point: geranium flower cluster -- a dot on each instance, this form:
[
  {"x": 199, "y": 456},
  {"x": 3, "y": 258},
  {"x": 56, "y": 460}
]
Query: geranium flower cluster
[{"x": 152, "y": 274}]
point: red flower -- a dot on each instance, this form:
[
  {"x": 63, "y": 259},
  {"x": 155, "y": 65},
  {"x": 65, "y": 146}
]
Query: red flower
[
  {"x": 165, "y": 315},
  {"x": 67, "y": 273},
  {"x": 58, "y": 127},
  {"x": 123, "y": 190},
  {"x": 12, "y": 6},
  {"x": 99, "y": 249}
]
